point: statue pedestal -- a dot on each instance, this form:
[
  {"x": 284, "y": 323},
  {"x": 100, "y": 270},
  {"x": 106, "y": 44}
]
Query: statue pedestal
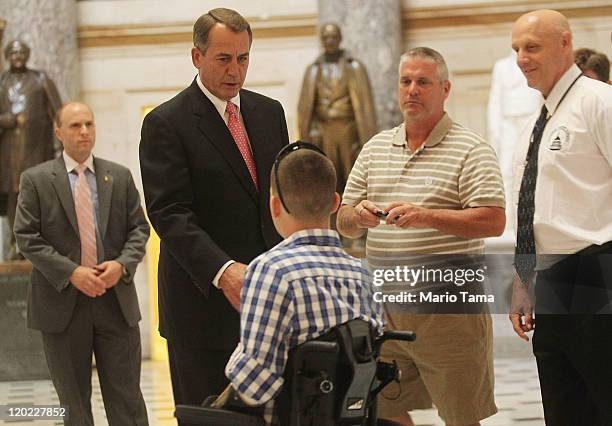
[{"x": 21, "y": 350}]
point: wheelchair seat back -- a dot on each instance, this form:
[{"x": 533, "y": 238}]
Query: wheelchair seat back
[{"x": 328, "y": 380}]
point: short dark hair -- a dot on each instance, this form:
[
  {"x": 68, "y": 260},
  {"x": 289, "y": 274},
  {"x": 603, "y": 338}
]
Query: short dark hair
[
  {"x": 11, "y": 45},
  {"x": 591, "y": 60},
  {"x": 308, "y": 184},
  {"x": 221, "y": 15}
]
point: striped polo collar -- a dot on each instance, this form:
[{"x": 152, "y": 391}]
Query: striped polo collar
[{"x": 437, "y": 134}]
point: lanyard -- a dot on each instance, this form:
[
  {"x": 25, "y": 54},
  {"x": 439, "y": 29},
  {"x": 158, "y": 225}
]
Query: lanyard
[{"x": 549, "y": 117}]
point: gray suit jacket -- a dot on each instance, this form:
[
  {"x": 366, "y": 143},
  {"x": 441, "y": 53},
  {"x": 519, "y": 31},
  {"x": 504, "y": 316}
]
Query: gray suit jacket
[{"x": 47, "y": 235}]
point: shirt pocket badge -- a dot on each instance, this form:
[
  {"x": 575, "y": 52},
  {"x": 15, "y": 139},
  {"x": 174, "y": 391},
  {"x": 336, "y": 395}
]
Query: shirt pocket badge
[{"x": 559, "y": 139}]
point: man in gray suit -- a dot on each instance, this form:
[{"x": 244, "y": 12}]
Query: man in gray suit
[{"x": 84, "y": 250}]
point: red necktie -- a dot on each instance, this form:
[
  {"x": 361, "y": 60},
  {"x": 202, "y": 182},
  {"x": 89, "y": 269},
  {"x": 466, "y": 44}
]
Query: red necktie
[
  {"x": 235, "y": 128},
  {"x": 85, "y": 218}
]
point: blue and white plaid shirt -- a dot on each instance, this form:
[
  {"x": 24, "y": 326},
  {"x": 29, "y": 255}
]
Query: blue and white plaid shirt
[{"x": 295, "y": 292}]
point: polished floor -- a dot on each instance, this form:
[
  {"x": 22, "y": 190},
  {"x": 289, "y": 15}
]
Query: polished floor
[{"x": 517, "y": 396}]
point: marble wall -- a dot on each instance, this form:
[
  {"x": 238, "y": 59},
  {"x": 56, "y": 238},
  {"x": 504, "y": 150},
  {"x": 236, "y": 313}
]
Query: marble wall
[{"x": 49, "y": 28}]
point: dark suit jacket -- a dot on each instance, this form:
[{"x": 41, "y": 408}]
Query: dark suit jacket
[
  {"x": 204, "y": 206},
  {"x": 47, "y": 234}
]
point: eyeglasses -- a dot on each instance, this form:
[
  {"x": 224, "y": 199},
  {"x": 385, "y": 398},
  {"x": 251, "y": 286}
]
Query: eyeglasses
[{"x": 292, "y": 147}]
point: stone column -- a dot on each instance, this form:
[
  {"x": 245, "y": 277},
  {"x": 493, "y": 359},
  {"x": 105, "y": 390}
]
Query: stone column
[
  {"x": 50, "y": 29},
  {"x": 371, "y": 31}
]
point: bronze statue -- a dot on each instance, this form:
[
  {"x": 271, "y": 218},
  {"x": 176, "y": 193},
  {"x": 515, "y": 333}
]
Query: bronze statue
[
  {"x": 336, "y": 108},
  {"x": 28, "y": 102}
]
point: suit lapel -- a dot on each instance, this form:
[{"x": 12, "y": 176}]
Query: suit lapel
[
  {"x": 104, "y": 181},
  {"x": 256, "y": 124},
  {"x": 61, "y": 184},
  {"x": 215, "y": 130}
]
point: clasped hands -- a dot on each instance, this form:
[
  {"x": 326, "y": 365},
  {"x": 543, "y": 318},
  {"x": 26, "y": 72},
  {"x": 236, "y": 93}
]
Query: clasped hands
[
  {"x": 95, "y": 281},
  {"x": 402, "y": 215}
]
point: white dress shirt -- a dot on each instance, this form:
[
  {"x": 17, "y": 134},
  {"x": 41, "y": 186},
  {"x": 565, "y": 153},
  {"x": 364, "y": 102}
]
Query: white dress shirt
[
  {"x": 71, "y": 163},
  {"x": 573, "y": 198}
]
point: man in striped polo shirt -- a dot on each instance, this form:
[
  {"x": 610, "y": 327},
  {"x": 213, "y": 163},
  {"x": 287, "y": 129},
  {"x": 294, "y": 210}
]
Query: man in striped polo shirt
[{"x": 440, "y": 187}]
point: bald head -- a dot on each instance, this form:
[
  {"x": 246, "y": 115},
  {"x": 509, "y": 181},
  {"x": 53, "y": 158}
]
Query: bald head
[
  {"x": 546, "y": 20},
  {"x": 76, "y": 130},
  {"x": 69, "y": 106},
  {"x": 543, "y": 42}
]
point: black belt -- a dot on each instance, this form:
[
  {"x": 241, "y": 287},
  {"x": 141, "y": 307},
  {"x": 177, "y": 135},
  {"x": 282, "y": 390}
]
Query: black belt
[{"x": 594, "y": 248}]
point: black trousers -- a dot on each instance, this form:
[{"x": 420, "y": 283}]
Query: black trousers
[
  {"x": 572, "y": 341},
  {"x": 196, "y": 372}
]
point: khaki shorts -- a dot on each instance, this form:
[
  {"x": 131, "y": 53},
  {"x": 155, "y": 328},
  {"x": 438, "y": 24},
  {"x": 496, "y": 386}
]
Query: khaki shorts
[{"x": 449, "y": 364}]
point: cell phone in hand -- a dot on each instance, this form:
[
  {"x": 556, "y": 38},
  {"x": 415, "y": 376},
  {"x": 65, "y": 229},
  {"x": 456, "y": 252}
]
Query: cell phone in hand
[{"x": 381, "y": 214}]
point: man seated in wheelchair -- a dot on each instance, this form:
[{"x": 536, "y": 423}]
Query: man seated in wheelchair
[{"x": 301, "y": 288}]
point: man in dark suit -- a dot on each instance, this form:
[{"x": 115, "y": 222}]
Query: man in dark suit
[
  {"x": 206, "y": 157},
  {"x": 84, "y": 249}
]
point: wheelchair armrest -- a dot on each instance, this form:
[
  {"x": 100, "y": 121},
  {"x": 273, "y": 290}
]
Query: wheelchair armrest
[
  {"x": 317, "y": 347},
  {"x": 195, "y": 414},
  {"x": 406, "y": 336}
]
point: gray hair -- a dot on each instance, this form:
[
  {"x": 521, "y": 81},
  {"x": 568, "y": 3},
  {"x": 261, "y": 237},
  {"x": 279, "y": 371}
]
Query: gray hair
[
  {"x": 429, "y": 55},
  {"x": 228, "y": 17}
]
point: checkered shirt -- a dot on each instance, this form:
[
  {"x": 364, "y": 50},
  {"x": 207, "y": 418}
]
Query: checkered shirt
[{"x": 295, "y": 292}]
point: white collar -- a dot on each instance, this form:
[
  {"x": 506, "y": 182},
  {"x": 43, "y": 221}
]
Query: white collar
[
  {"x": 219, "y": 104},
  {"x": 560, "y": 88},
  {"x": 71, "y": 163}
]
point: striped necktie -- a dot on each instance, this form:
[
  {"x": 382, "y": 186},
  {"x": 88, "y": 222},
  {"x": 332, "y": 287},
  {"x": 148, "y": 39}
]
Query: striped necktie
[
  {"x": 85, "y": 218},
  {"x": 235, "y": 128}
]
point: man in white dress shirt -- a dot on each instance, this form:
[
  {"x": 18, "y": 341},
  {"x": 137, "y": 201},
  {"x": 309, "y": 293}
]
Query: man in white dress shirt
[{"x": 565, "y": 218}]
